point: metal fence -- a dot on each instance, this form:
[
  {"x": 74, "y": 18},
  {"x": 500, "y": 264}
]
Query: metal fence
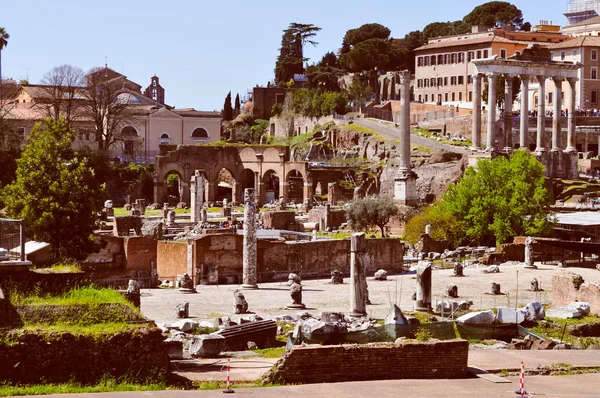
[{"x": 12, "y": 240}]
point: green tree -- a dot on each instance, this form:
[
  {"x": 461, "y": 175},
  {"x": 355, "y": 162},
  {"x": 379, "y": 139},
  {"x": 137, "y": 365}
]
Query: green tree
[
  {"x": 325, "y": 74},
  {"x": 56, "y": 191},
  {"x": 437, "y": 29},
  {"x": 444, "y": 226},
  {"x": 495, "y": 14},
  {"x": 4, "y": 36},
  {"x": 291, "y": 54},
  {"x": 360, "y": 91},
  {"x": 227, "y": 108},
  {"x": 501, "y": 199},
  {"x": 370, "y": 54},
  {"x": 370, "y": 212},
  {"x": 238, "y": 106},
  {"x": 411, "y": 41}
]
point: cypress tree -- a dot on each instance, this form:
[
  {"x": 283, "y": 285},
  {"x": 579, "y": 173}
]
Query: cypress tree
[{"x": 227, "y": 109}]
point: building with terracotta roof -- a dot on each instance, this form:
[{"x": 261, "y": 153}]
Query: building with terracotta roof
[
  {"x": 151, "y": 123},
  {"x": 443, "y": 69}
]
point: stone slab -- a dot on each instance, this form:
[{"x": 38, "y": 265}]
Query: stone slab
[
  {"x": 511, "y": 315},
  {"x": 562, "y": 313}
]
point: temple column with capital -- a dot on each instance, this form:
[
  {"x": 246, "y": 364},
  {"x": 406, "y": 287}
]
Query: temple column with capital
[
  {"x": 541, "y": 122},
  {"x": 491, "y": 123},
  {"x": 571, "y": 141},
  {"x": 476, "y": 129},
  {"x": 508, "y": 105},
  {"x": 524, "y": 132},
  {"x": 405, "y": 186},
  {"x": 556, "y": 113}
]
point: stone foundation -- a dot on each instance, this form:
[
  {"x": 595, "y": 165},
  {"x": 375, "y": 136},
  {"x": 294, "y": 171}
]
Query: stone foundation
[
  {"x": 375, "y": 361},
  {"x": 564, "y": 291}
]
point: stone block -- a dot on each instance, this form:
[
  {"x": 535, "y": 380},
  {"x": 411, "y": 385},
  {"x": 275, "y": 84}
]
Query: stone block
[
  {"x": 207, "y": 345},
  {"x": 580, "y": 306},
  {"x": 562, "y": 313},
  {"x": 185, "y": 325},
  {"x": 478, "y": 318},
  {"x": 511, "y": 315},
  {"x": 535, "y": 311},
  {"x": 174, "y": 348},
  {"x": 381, "y": 275},
  {"x": 543, "y": 345}
]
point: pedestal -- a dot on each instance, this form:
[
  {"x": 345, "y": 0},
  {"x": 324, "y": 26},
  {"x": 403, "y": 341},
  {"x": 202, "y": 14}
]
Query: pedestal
[{"x": 405, "y": 188}]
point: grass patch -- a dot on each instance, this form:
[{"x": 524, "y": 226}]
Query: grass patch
[
  {"x": 95, "y": 331},
  {"x": 275, "y": 352},
  {"x": 356, "y": 127},
  {"x": 62, "y": 268},
  {"x": 106, "y": 385},
  {"x": 77, "y": 296}
]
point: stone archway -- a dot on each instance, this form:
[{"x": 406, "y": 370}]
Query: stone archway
[
  {"x": 174, "y": 192},
  {"x": 295, "y": 186},
  {"x": 270, "y": 186},
  {"x": 226, "y": 186}
]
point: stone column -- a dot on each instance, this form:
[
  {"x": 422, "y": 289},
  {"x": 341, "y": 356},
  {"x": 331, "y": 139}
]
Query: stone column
[
  {"x": 508, "y": 105},
  {"x": 529, "y": 253},
  {"x": 331, "y": 193},
  {"x": 405, "y": 186},
  {"x": 308, "y": 188},
  {"x": 524, "y": 133},
  {"x": 571, "y": 140},
  {"x": 556, "y": 113},
  {"x": 327, "y": 217},
  {"x": 249, "y": 249},
  {"x": 191, "y": 262},
  {"x": 358, "y": 275},
  {"x": 491, "y": 123},
  {"x": 424, "y": 287},
  {"x": 541, "y": 122},
  {"x": 476, "y": 128},
  {"x": 283, "y": 182},
  {"x": 257, "y": 184},
  {"x": 196, "y": 195}
]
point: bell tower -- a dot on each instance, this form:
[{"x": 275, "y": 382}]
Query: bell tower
[{"x": 155, "y": 91}]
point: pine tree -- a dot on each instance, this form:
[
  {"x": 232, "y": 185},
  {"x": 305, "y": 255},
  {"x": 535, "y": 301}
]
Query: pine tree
[
  {"x": 227, "y": 109},
  {"x": 238, "y": 105}
]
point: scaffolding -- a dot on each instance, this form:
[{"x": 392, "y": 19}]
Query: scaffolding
[{"x": 580, "y": 10}]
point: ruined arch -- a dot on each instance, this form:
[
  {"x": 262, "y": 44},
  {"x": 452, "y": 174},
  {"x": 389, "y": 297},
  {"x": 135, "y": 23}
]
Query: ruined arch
[
  {"x": 270, "y": 186},
  {"x": 295, "y": 186},
  {"x": 173, "y": 194},
  {"x": 226, "y": 186}
]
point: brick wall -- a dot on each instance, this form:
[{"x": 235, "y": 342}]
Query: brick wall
[
  {"x": 374, "y": 361},
  {"x": 564, "y": 292},
  {"x": 275, "y": 259},
  {"x": 171, "y": 258},
  {"x": 139, "y": 252}
]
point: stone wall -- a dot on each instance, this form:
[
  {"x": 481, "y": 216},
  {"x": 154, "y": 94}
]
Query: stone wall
[
  {"x": 280, "y": 220},
  {"x": 564, "y": 291},
  {"x": 338, "y": 216},
  {"x": 276, "y": 260},
  {"x": 36, "y": 356},
  {"x": 375, "y": 361},
  {"x": 140, "y": 252},
  {"x": 281, "y": 127}
]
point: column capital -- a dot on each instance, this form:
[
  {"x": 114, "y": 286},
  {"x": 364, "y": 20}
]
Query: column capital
[
  {"x": 492, "y": 74},
  {"x": 541, "y": 78},
  {"x": 557, "y": 79},
  {"x": 572, "y": 80},
  {"x": 524, "y": 77}
]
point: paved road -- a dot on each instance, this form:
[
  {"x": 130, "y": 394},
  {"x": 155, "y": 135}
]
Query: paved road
[
  {"x": 558, "y": 386},
  {"x": 394, "y": 133}
]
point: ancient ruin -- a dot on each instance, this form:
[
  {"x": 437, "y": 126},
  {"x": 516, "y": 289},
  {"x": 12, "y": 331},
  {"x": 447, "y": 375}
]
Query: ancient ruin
[
  {"x": 295, "y": 292},
  {"x": 423, "y": 295},
  {"x": 249, "y": 253},
  {"x": 359, "y": 294}
]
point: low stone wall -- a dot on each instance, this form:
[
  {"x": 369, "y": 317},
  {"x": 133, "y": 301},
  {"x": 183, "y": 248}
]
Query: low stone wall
[
  {"x": 36, "y": 357},
  {"x": 375, "y": 361},
  {"x": 565, "y": 292},
  {"x": 280, "y": 219},
  {"x": 338, "y": 216}
]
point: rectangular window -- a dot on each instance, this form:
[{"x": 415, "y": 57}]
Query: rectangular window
[
  {"x": 593, "y": 96},
  {"x": 478, "y": 54},
  {"x": 425, "y": 97},
  {"x": 426, "y": 82},
  {"x": 551, "y": 55},
  {"x": 420, "y": 61},
  {"x": 420, "y": 98},
  {"x": 440, "y": 59},
  {"x": 419, "y": 83},
  {"x": 452, "y": 58},
  {"x": 594, "y": 55},
  {"x": 453, "y": 80},
  {"x": 502, "y": 53},
  {"x": 433, "y": 59},
  {"x": 461, "y": 58},
  {"x": 470, "y": 56},
  {"x": 549, "y": 98},
  {"x": 128, "y": 148},
  {"x": 594, "y": 73},
  {"x": 446, "y": 97},
  {"x": 470, "y": 96},
  {"x": 485, "y": 53},
  {"x": 433, "y": 82},
  {"x": 460, "y": 96},
  {"x": 470, "y": 79},
  {"x": 453, "y": 97},
  {"x": 461, "y": 80},
  {"x": 440, "y": 81},
  {"x": 446, "y": 82},
  {"x": 440, "y": 99},
  {"x": 445, "y": 59},
  {"x": 426, "y": 61},
  {"x": 563, "y": 55}
]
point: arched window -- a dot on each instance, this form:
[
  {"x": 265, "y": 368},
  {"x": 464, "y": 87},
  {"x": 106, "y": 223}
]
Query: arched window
[
  {"x": 129, "y": 132},
  {"x": 200, "y": 135},
  {"x": 165, "y": 139}
]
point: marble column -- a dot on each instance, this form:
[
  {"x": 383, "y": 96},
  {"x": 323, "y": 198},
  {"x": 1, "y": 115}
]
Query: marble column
[
  {"x": 491, "y": 123},
  {"x": 359, "y": 295},
  {"x": 196, "y": 195},
  {"x": 556, "y": 113},
  {"x": 508, "y": 114},
  {"x": 249, "y": 249},
  {"x": 541, "y": 119},
  {"x": 476, "y": 128},
  {"x": 524, "y": 131},
  {"x": 405, "y": 185},
  {"x": 424, "y": 286},
  {"x": 571, "y": 140}
]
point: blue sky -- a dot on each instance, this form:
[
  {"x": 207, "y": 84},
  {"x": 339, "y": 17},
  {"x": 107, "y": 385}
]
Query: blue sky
[{"x": 202, "y": 50}]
